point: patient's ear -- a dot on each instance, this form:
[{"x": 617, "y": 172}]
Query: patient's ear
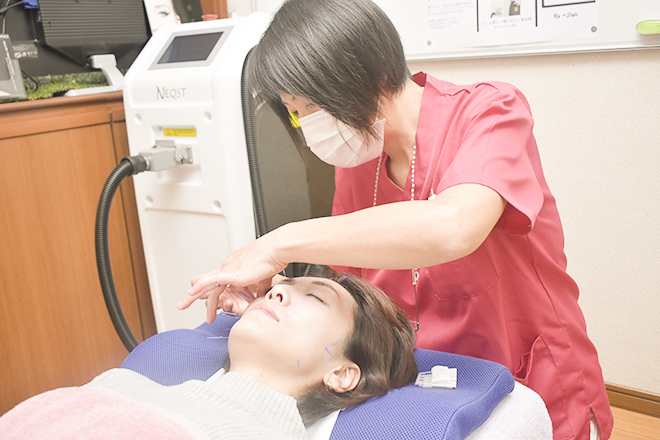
[{"x": 344, "y": 377}]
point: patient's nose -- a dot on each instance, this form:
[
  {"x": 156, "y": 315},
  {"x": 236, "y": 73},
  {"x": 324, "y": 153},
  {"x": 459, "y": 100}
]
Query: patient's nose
[{"x": 278, "y": 293}]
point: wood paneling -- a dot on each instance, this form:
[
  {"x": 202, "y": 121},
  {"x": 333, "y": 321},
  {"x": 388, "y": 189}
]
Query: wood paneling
[
  {"x": 638, "y": 401},
  {"x": 54, "y": 327}
]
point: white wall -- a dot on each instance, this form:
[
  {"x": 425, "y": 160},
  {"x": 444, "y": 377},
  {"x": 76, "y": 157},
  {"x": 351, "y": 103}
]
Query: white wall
[{"x": 598, "y": 129}]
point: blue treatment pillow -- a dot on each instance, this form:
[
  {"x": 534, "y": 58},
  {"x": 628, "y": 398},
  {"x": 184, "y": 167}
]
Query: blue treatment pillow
[
  {"x": 176, "y": 356},
  {"x": 433, "y": 413}
]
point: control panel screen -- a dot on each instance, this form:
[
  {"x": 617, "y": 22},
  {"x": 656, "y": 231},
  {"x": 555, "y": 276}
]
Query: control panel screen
[{"x": 186, "y": 48}]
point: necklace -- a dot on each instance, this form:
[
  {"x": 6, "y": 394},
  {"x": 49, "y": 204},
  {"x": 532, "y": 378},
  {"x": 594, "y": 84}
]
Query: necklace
[{"x": 415, "y": 272}]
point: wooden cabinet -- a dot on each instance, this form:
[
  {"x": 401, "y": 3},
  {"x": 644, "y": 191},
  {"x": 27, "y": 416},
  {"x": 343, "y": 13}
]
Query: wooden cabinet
[{"x": 55, "y": 331}]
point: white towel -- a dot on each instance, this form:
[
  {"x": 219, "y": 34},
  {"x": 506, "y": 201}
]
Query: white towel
[{"x": 521, "y": 415}]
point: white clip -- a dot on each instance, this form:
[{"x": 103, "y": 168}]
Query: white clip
[
  {"x": 439, "y": 377},
  {"x": 444, "y": 377}
]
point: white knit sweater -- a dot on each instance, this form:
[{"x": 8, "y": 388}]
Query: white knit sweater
[{"x": 227, "y": 406}]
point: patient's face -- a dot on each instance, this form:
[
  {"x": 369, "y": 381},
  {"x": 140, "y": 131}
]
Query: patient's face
[{"x": 297, "y": 330}]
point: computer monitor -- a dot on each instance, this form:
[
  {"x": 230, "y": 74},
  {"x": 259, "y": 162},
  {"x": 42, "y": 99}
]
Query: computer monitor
[{"x": 59, "y": 36}]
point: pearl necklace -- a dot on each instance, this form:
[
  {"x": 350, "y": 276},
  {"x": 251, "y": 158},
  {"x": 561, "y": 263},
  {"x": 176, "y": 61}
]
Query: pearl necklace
[{"x": 415, "y": 272}]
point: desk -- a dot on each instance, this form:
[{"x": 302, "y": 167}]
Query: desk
[{"x": 55, "y": 330}]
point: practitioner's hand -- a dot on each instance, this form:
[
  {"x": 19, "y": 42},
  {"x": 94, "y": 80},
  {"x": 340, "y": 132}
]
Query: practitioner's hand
[
  {"x": 233, "y": 300},
  {"x": 229, "y": 298},
  {"x": 248, "y": 266}
]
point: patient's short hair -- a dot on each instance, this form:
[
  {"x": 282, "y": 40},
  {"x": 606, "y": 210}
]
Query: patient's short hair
[{"x": 381, "y": 344}]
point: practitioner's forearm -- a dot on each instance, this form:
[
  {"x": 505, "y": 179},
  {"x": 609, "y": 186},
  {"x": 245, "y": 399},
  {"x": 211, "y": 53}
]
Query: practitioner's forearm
[{"x": 398, "y": 235}]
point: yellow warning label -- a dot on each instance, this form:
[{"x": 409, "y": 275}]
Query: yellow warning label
[{"x": 180, "y": 132}]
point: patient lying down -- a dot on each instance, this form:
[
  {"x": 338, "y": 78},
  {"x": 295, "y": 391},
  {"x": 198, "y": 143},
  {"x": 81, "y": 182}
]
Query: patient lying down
[{"x": 311, "y": 346}]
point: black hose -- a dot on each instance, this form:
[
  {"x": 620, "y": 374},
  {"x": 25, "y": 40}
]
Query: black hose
[
  {"x": 127, "y": 167},
  {"x": 253, "y": 163}
]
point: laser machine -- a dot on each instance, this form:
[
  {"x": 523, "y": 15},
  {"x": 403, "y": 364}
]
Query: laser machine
[
  {"x": 185, "y": 105},
  {"x": 183, "y": 91}
]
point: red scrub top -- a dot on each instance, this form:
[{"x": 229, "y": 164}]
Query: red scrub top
[{"x": 511, "y": 301}]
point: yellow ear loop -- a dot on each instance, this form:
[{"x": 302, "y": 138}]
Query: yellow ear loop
[{"x": 293, "y": 117}]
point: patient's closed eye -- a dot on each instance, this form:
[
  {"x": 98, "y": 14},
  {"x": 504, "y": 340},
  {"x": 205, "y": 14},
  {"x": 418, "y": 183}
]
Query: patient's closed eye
[{"x": 317, "y": 297}]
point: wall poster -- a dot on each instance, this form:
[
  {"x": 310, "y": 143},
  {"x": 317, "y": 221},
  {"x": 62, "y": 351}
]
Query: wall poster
[{"x": 477, "y": 23}]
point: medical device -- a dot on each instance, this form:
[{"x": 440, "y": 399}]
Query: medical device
[
  {"x": 223, "y": 169},
  {"x": 183, "y": 94}
]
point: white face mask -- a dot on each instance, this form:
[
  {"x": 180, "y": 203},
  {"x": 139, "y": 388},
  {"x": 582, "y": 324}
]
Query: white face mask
[{"x": 338, "y": 144}]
